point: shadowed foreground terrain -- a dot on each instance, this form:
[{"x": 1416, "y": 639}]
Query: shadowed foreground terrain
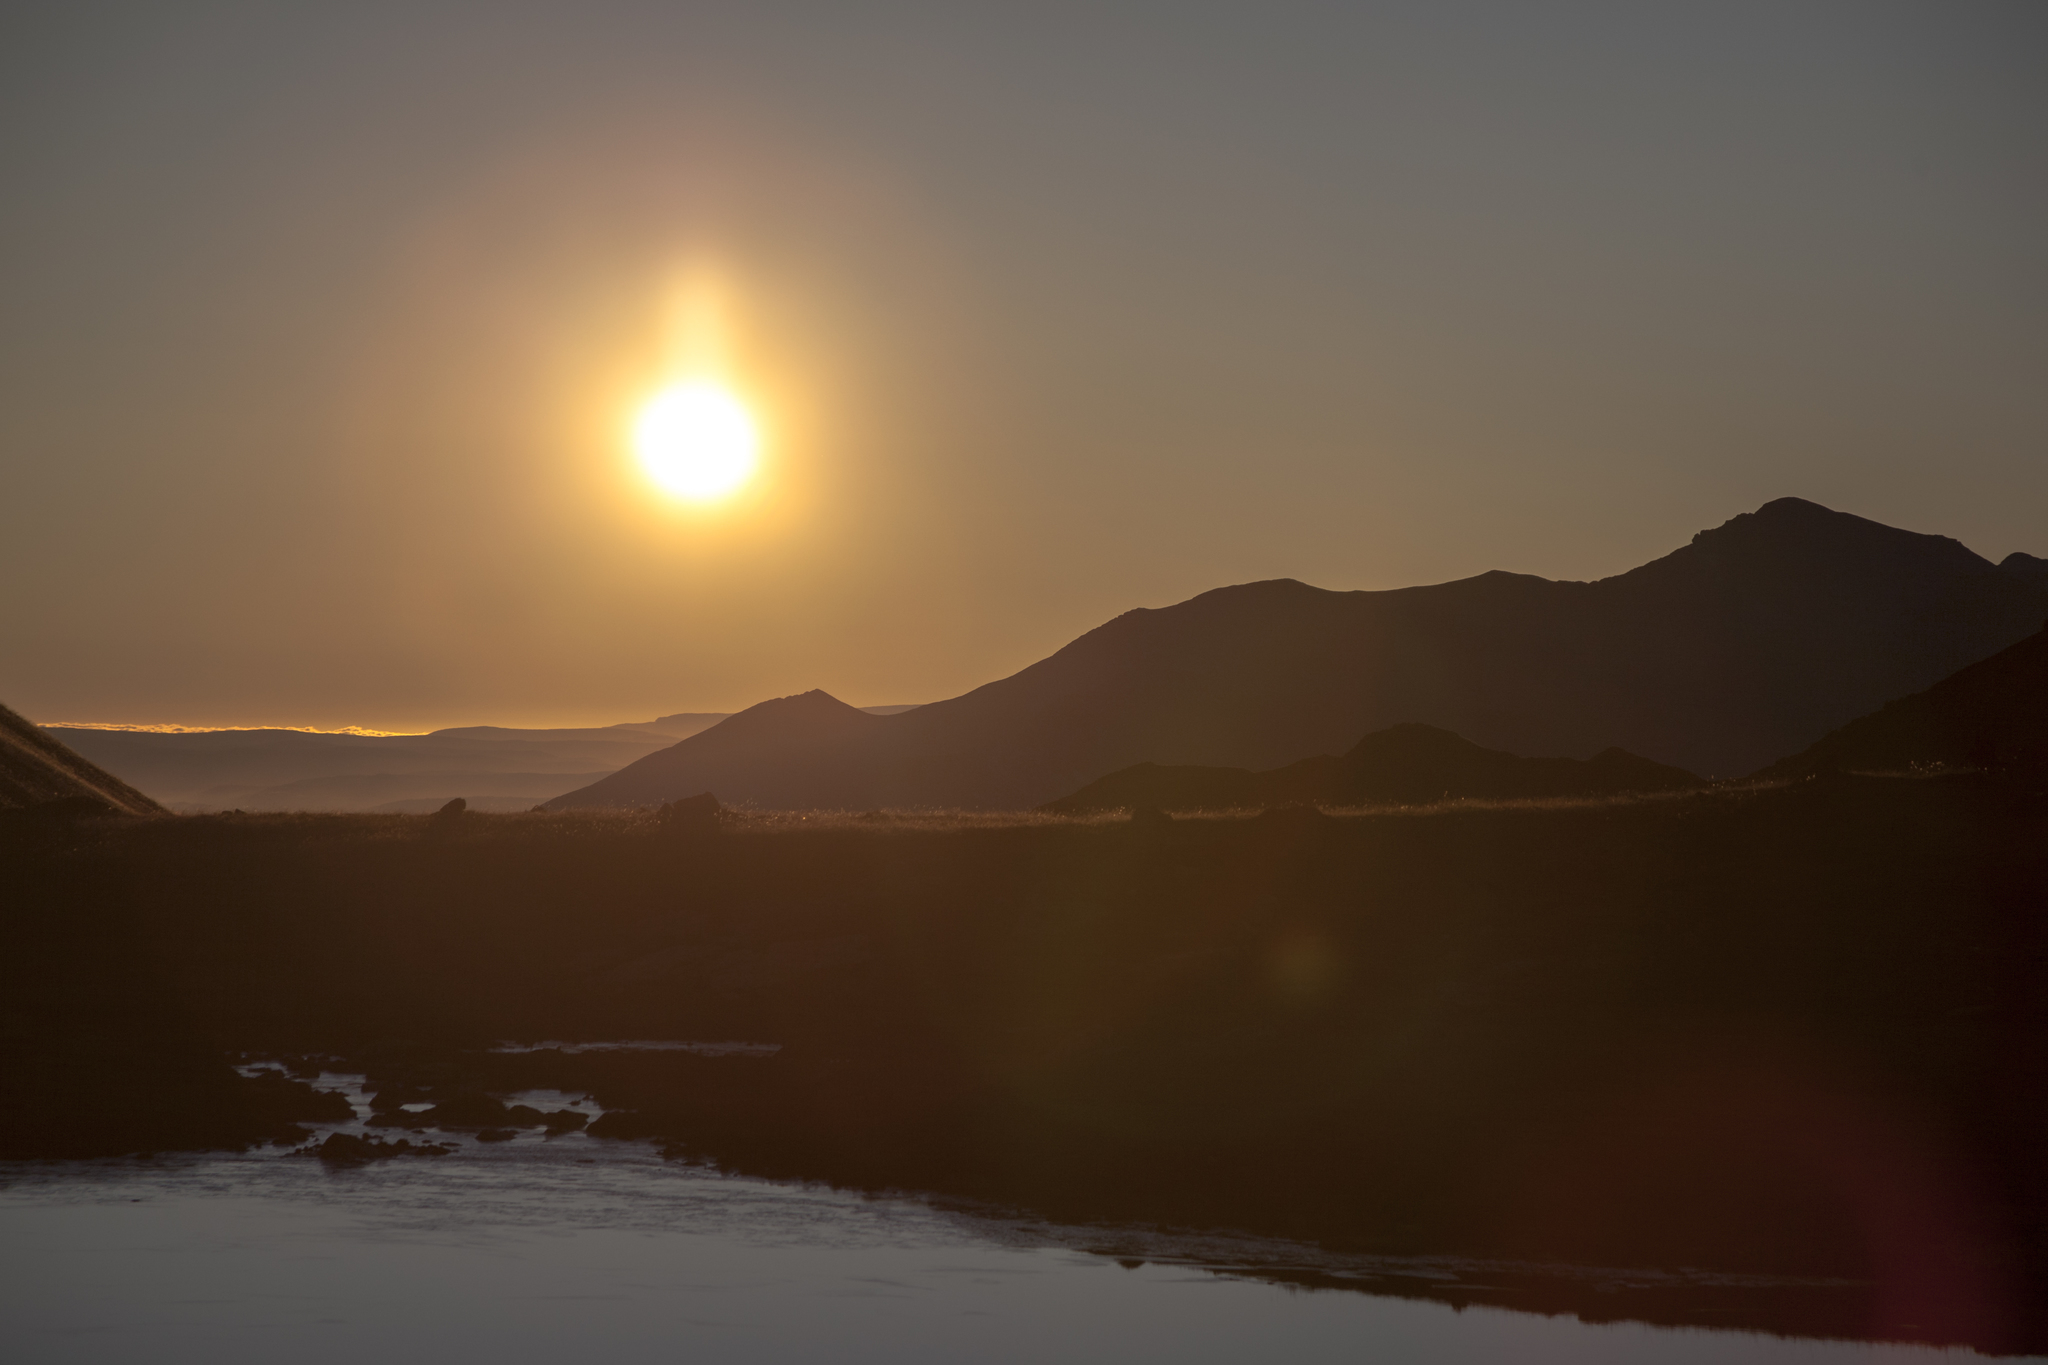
[
  {"x": 1797, "y": 1030},
  {"x": 1404, "y": 764}
]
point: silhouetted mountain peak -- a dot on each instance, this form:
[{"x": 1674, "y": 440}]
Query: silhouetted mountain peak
[
  {"x": 783, "y": 735},
  {"x": 1265, "y": 594},
  {"x": 816, "y": 701},
  {"x": 815, "y": 710},
  {"x": 1791, "y": 509},
  {"x": 1794, "y": 524},
  {"x": 2025, "y": 567},
  {"x": 1410, "y": 740},
  {"x": 1261, "y": 595},
  {"x": 1791, "y": 541},
  {"x": 1753, "y": 639},
  {"x": 1274, "y": 587},
  {"x": 1154, "y": 631}
]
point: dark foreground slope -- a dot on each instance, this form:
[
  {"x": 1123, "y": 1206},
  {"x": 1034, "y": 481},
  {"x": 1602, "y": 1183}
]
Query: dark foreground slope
[
  {"x": 1750, "y": 643},
  {"x": 1991, "y": 715},
  {"x": 1403, "y": 764},
  {"x": 36, "y": 768},
  {"x": 1798, "y": 1031}
]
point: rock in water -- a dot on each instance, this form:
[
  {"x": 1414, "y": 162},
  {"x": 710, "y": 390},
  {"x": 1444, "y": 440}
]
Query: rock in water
[{"x": 346, "y": 1149}]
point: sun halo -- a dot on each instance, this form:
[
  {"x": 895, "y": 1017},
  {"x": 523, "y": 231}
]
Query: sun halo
[{"x": 697, "y": 440}]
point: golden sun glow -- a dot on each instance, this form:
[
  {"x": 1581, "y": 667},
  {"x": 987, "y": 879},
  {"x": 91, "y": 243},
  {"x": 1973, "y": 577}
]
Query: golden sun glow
[{"x": 697, "y": 440}]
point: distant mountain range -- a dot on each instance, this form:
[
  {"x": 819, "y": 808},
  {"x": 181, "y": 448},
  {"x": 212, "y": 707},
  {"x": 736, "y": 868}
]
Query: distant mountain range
[
  {"x": 1750, "y": 643},
  {"x": 306, "y": 770},
  {"x": 1991, "y": 716},
  {"x": 1405, "y": 763},
  {"x": 493, "y": 767}
]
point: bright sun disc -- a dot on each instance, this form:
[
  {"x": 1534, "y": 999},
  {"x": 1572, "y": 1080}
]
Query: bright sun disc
[{"x": 696, "y": 440}]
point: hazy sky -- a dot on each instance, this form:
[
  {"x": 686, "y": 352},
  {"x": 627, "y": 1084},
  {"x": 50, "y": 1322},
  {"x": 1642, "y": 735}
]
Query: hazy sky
[{"x": 321, "y": 325}]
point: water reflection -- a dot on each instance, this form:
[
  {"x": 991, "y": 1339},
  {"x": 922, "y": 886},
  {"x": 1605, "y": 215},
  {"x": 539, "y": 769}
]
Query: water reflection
[{"x": 545, "y": 1247}]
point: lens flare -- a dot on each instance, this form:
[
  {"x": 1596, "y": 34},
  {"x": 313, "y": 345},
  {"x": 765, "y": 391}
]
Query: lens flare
[{"x": 697, "y": 440}]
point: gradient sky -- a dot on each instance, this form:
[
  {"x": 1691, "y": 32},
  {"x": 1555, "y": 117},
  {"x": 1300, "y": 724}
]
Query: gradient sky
[{"x": 321, "y": 324}]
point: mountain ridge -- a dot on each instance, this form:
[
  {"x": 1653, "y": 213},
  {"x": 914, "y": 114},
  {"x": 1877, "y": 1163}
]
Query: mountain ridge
[
  {"x": 1746, "y": 644},
  {"x": 1990, "y": 715}
]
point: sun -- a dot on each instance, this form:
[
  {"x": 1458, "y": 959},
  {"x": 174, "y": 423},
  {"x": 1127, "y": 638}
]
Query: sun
[{"x": 697, "y": 440}]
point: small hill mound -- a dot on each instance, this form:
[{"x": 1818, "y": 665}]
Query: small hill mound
[
  {"x": 750, "y": 756},
  {"x": 1991, "y": 715},
  {"x": 1403, "y": 763},
  {"x": 2025, "y": 567},
  {"x": 35, "y": 769}
]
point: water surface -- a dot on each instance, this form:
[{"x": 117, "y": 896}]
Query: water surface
[{"x": 576, "y": 1248}]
